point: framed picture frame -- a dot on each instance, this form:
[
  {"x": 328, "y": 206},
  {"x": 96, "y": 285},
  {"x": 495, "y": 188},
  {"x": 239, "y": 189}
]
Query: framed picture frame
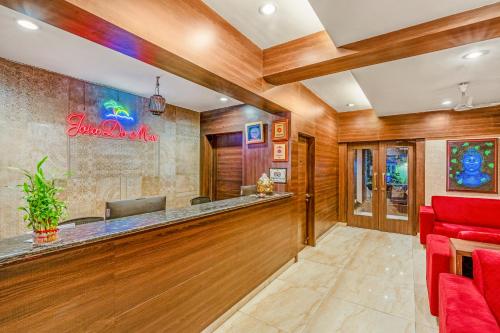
[
  {"x": 280, "y": 151},
  {"x": 254, "y": 132},
  {"x": 472, "y": 165},
  {"x": 280, "y": 130},
  {"x": 278, "y": 175}
]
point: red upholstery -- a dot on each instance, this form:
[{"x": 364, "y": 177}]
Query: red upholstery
[
  {"x": 485, "y": 237},
  {"x": 449, "y": 215},
  {"x": 467, "y": 211},
  {"x": 487, "y": 278},
  {"x": 462, "y": 308},
  {"x": 426, "y": 217},
  {"x": 452, "y": 230},
  {"x": 437, "y": 262}
]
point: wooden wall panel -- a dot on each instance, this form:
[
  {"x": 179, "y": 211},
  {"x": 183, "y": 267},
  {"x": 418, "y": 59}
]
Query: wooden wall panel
[
  {"x": 257, "y": 158},
  {"x": 366, "y": 126},
  {"x": 420, "y": 178},
  {"x": 173, "y": 279},
  {"x": 315, "y": 119},
  {"x": 229, "y": 165},
  {"x": 342, "y": 182}
]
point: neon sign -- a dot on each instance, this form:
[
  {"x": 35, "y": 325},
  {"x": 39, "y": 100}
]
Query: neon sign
[
  {"x": 109, "y": 128},
  {"x": 118, "y": 111}
]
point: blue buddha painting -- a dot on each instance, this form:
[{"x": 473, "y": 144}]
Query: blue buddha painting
[{"x": 472, "y": 165}]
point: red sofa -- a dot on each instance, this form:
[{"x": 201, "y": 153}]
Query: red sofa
[
  {"x": 438, "y": 260},
  {"x": 449, "y": 215},
  {"x": 470, "y": 306}
]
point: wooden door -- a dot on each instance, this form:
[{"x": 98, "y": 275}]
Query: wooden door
[
  {"x": 362, "y": 187},
  {"x": 228, "y": 161},
  {"x": 397, "y": 187},
  {"x": 305, "y": 190}
]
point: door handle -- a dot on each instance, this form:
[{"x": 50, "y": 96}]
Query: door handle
[
  {"x": 383, "y": 182},
  {"x": 308, "y": 196},
  {"x": 374, "y": 182}
]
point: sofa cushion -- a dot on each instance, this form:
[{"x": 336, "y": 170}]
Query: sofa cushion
[
  {"x": 462, "y": 308},
  {"x": 451, "y": 230},
  {"x": 476, "y": 236},
  {"x": 487, "y": 277},
  {"x": 437, "y": 261},
  {"x": 467, "y": 211}
]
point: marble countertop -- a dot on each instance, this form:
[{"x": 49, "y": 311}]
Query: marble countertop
[{"x": 21, "y": 247}]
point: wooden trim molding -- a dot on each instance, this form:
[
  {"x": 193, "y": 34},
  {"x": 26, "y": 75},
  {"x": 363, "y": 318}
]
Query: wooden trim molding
[
  {"x": 367, "y": 126},
  {"x": 316, "y": 55}
]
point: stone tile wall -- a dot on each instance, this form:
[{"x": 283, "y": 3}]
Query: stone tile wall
[{"x": 33, "y": 107}]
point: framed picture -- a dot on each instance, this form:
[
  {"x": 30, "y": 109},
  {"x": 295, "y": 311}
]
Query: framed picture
[
  {"x": 280, "y": 130},
  {"x": 472, "y": 165},
  {"x": 278, "y": 175},
  {"x": 280, "y": 152},
  {"x": 254, "y": 132}
]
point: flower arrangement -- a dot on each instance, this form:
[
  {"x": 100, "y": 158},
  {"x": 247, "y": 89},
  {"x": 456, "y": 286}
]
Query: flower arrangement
[{"x": 43, "y": 209}]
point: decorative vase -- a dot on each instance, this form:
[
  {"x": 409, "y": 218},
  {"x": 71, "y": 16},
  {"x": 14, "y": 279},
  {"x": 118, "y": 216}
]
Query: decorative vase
[
  {"x": 264, "y": 185},
  {"x": 45, "y": 237}
]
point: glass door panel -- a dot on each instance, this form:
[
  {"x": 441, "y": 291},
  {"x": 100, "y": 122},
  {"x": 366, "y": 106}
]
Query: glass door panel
[
  {"x": 362, "y": 200},
  {"x": 397, "y": 187},
  {"x": 363, "y": 182},
  {"x": 396, "y": 183}
]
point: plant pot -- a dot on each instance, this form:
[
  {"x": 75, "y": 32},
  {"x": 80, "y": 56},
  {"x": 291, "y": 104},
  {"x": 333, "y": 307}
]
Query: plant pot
[{"x": 45, "y": 237}]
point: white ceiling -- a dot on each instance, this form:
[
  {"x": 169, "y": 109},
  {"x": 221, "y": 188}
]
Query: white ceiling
[
  {"x": 61, "y": 52},
  {"x": 354, "y": 20},
  {"x": 421, "y": 83},
  {"x": 338, "y": 90},
  {"x": 293, "y": 19}
]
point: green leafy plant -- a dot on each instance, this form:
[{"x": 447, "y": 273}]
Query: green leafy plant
[{"x": 43, "y": 208}]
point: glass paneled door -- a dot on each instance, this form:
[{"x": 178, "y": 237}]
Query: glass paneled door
[
  {"x": 397, "y": 187},
  {"x": 362, "y": 187},
  {"x": 380, "y": 186}
]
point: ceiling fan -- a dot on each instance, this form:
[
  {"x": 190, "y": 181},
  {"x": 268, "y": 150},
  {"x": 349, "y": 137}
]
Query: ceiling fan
[{"x": 465, "y": 102}]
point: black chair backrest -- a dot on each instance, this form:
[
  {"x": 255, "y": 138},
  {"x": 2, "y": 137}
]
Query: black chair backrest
[
  {"x": 83, "y": 220},
  {"x": 248, "y": 189},
  {"x": 123, "y": 208},
  {"x": 199, "y": 200}
]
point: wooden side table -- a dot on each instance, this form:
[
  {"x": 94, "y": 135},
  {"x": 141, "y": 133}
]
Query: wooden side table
[{"x": 463, "y": 248}]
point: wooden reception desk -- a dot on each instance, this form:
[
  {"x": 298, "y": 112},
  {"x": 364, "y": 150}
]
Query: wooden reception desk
[{"x": 174, "y": 271}]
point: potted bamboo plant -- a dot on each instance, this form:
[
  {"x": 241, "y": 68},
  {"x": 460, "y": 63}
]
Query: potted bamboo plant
[{"x": 43, "y": 209}]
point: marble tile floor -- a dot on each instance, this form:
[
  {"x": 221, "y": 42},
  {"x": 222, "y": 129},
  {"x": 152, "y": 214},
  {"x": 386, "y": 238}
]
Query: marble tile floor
[{"x": 354, "y": 280}]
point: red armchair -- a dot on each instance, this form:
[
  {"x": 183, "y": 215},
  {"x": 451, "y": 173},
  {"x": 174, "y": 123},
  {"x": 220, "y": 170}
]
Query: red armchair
[
  {"x": 449, "y": 215},
  {"x": 470, "y": 306}
]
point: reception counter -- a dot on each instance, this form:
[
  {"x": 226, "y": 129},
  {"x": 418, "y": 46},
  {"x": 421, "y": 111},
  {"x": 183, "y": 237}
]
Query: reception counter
[{"x": 170, "y": 271}]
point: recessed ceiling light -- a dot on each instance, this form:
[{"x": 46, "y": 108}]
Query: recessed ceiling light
[
  {"x": 446, "y": 102},
  {"x": 223, "y": 99},
  {"x": 268, "y": 9},
  {"x": 350, "y": 105},
  {"x": 27, "y": 24},
  {"x": 475, "y": 54}
]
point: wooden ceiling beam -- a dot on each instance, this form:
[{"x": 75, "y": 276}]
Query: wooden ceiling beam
[{"x": 316, "y": 55}]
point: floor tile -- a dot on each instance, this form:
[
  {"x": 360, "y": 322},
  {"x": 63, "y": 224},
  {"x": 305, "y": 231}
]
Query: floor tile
[
  {"x": 376, "y": 293},
  {"x": 336, "y": 315},
  {"x": 283, "y": 305},
  {"x": 241, "y": 322},
  {"x": 422, "y": 312},
  {"x": 309, "y": 274},
  {"x": 354, "y": 280}
]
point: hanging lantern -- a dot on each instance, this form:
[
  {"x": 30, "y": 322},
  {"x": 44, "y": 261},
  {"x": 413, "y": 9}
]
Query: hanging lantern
[{"x": 157, "y": 102}]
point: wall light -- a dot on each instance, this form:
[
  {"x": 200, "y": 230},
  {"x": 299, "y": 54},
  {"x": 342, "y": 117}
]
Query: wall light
[
  {"x": 27, "y": 24},
  {"x": 350, "y": 105},
  {"x": 446, "y": 102},
  {"x": 223, "y": 99}
]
